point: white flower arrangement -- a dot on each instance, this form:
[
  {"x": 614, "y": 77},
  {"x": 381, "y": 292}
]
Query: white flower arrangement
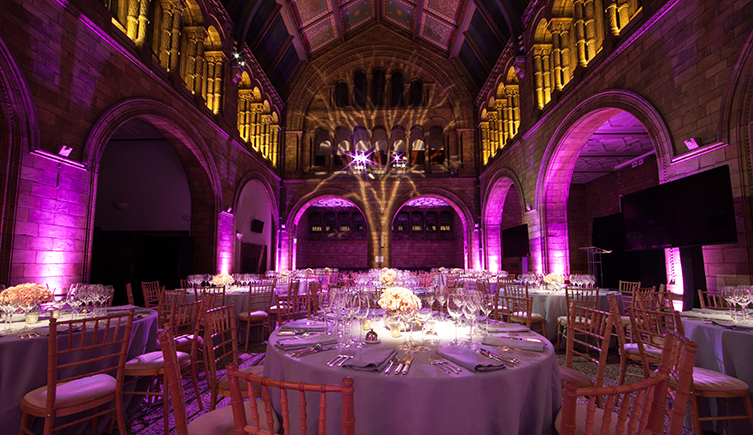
[
  {"x": 554, "y": 280},
  {"x": 388, "y": 277},
  {"x": 399, "y": 299},
  {"x": 28, "y": 292},
  {"x": 222, "y": 280}
]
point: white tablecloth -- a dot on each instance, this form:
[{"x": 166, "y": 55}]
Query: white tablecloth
[
  {"x": 23, "y": 367},
  {"x": 727, "y": 351},
  {"x": 519, "y": 400}
]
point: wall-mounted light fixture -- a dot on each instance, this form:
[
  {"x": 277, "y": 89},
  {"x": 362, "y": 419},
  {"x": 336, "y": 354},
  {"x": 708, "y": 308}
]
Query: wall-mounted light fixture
[
  {"x": 692, "y": 143},
  {"x": 238, "y": 236},
  {"x": 65, "y": 151}
]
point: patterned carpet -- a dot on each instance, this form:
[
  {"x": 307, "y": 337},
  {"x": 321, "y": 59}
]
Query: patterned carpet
[{"x": 150, "y": 421}]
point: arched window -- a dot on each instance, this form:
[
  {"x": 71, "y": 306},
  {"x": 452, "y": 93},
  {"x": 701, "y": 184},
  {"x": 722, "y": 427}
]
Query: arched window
[
  {"x": 361, "y": 139},
  {"x": 344, "y": 149},
  {"x": 341, "y": 95},
  {"x": 436, "y": 146},
  {"x": 377, "y": 87},
  {"x": 396, "y": 83},
  {"x": 399, "y": 147},
  {"x": 359, "y": 89},
  {"x": 322, "y": 148},
  {"x": 416, "y": 93},
  {"x": 417, "y": 147},
  {"x": 381, "y": 147}
]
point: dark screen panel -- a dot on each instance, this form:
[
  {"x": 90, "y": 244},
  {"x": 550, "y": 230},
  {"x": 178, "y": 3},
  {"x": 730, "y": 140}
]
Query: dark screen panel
[{"x": 515, "y": 242}]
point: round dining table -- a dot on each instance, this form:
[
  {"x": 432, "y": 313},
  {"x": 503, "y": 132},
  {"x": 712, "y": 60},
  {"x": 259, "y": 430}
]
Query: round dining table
[
  {"x": 723, "y": 347},
  {"x": 23, "y": 367},
  {"x": 522, "y": 399}
]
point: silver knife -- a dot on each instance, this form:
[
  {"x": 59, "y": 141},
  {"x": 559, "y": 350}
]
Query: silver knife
[
  {"x": 399, "y": 367},
  {"x": 407, "y": 365},
  {"x": 317, "y": 350},
  {"x": 488, "y": 354}
]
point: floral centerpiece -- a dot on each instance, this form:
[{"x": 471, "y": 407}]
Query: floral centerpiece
[
  {"x": 399, "y": 299},
  {"x": 28, "y": 292},
  {"x": 388, "y": 277},
  {"x": 222, "y": 279},
  {"x": 554, "y": 281}
]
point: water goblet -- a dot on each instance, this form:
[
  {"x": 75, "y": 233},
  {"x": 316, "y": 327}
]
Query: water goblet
[{"x": 455, "y": 310}]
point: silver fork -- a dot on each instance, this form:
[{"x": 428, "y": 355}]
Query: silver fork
[
  {"x": 451, "y": 366},
  {"x": 441, "y": 364},
  {"x": 342, "y": 356},
  {"x": 350, "y": 353}
]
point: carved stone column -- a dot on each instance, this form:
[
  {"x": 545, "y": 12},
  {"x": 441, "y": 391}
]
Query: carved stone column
[
  {"x": 165, "y": 36},
  {"x": 177, "y": 11},
  {"x": 132, "y": 20},
  {"x": 567, "y": 70},
  {"x": 493, "y": 131},
  {"x": 504, "y": 132},
  {"x": 255, "y": 124},
  {"x": 484, "y": 127},
  {"x": 538, "y": 74},
  {"x": 580, "y": 32},
  {"x": 560, "y": 51},
  {"x": 213, "y": 85},
  {"x": 143, "y": 22},
  {"x": 513, "y": 108},
  {"x": 265, "y": 135},
  {"x": 192, "y": 72},
  {"x": 556, "y": 56},
  {"x": 623, "y": 13},
  {"x": 590, "y": 19},
  {"x": 245, "y": 96},
  {"x": 612, "y": 18}
]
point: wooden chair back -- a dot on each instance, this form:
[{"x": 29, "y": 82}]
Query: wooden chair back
[
  {"x": 638, "y": 408},
  {"x": 173, "y": 379},
  {"x": 627, "y": 288},
  {"x": 649, "y": 328},
  {"x": 346, "y": 391},
  {"x": 516, "y": 290},
  {"x": 184, "y": 284},
  {"x": 87, "y": 347},
  {"x": 712, "y": 300},
  {"x": 151, "y": 291},
  {"x": 681, "y": 377},
  {"x": 517, "y": 309},
  {"x": 588, "y": 330},
  {"x": 312, "y": 291},
  {"x": 213, "y": 296},
  {"x": 168, "y": 299},
  {"x": 129, "y": 294},
  {"x": 220, "y": 343},
  {"x": 584, "y": 297}
]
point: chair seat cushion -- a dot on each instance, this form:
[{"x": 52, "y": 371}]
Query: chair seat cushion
[
  {"x": 220, "y": 421},
  {"x": 152, "y": 361},
  {"x": 185, "y": 341},
  {"x": 652, "y": 351},
  {"x": 224, "y": 384},
  {"x": 580, "y": 419},
  {"x": 625, "y": 320},
  {"x": 710, "y": 380},
  {"x": 571, "y": 375},
  {"x": 74, "y": 392},
  {"x": 253, "y": 316},
  {"x": 565, "y": 320}
]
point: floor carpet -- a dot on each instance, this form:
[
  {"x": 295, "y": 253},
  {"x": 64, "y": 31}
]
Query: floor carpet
[{"x": 150, "y": 422}]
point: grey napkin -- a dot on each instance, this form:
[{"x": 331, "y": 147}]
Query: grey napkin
[
  {"x": 304, "y": 325},
  {"x": 293, "y": 343},
  {"x": 533, "y": 344},
  {"x": 495, "y": 328},
  {"x": 372, "y": 359},
  {"x": 469, "y": 359}
]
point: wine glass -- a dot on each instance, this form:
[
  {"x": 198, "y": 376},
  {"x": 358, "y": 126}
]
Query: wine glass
[
  {"x": 405, "y": 317},
  {"x": 486, "y": 306},
  {"x": 455, "y": 310},
  {"x": 73, "y": 299},
  {"x": 9, "y": 303},
  {"x": 362, "y": 313},
  {"x": 470, "y": 311},
  {"x": 441, "y": 296},
  {"x": 423, "y": 315}
]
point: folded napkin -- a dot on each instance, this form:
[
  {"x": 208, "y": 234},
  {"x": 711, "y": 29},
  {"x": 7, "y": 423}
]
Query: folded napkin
[
  {"x": 305, "y": 325},
  {"x": 703, "y": 314},
  {"x": 469, "y": 359},
  {"x": 496, "y": 328},
  {"x": 532, "y": 344},
  {"x": 372, "y": 359},
  {"x": 293, "y": 343}
]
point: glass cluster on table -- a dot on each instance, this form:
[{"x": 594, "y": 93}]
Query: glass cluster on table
[{"x": 738, "y": 298}]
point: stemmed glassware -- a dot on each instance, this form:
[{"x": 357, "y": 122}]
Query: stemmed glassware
[
  {"x": 423, "y": 315},
  {"x": 441, "y": 295},
  {"x": 486, "y": 306},
  {"x": 362, "y": 313},
  {"x": 9, "y": 304},
  {"x": 470, "y": 311},
  {"x": 406, "y": 316},
  {"x": 455, "y": 309},
  {"x": 73, "y": 299}
]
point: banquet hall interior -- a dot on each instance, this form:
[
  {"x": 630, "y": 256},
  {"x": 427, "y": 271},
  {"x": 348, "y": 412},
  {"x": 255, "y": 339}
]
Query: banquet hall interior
[{"x": 153, "y": 140}]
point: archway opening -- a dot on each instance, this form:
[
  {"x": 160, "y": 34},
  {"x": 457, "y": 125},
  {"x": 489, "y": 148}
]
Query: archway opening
[
  {"x": 503, "y": 211},
  {"x": 142, "y": 222},
  {"x": 427, "y": 233},
  {"x": 332, "y": 232},
  {"x": 613, "y": 155},
  {"x": 253, "y": 230}
]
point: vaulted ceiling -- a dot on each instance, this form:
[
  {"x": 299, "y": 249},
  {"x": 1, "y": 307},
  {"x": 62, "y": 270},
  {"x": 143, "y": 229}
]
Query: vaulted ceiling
[{"x": 286, "y": 34}]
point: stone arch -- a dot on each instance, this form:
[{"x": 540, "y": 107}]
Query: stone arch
[
  {"x": 201, "y": 170},
  {"x": 288, "y": 248},
  {"x": 274, "y": 211},
  {"x": 561, "y": 154},
  {"x": 19, "y": 134},
  {"x": 491, "y": 212},
  {"x": 457, "y": 204}
]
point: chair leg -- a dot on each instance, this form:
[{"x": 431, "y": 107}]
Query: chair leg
[
  {"x": 194, "y": 375},
  {"x": 695, "y": 418},
  {"x": 25, "y": 418},
  {"x": 165, "y": 407},
  {"x": 748, "y": 408},
  {"x": 93, "y": 421},
  {"x": 560, "y": 332},
  {"x": 248, "y": 332}
]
